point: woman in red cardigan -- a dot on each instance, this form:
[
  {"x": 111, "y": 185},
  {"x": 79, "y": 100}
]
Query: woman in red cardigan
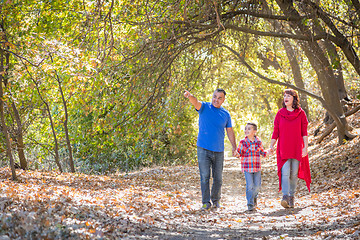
[{"x": 290, "y": 133}]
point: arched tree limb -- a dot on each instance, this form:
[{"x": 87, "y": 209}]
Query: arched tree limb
[
  {"x": 337, "y": 119},
  {"x": 242, "y": 60},
  {"x": 329, "y": 129},
  {"x": 339, "y": 39},
  {"x": 356, "y": 4}
]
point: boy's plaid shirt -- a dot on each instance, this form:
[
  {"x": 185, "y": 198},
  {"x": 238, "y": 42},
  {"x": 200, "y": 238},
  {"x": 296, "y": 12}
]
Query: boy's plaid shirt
[{"x": 250, "y": 153}]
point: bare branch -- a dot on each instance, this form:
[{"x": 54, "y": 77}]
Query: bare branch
[
  {"x": 230, "y": 15},
  {"x": 276, "y": 34},
  {"x": 339, "y": 39},
  {"x": 242, "y": 60},
  {"x": 23, "y": 58},
  {"x": 329, "y": 129}
]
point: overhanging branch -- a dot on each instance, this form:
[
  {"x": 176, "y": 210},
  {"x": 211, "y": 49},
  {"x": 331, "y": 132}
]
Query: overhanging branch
[
  {"x": 23, "y": 58},
  {"x": 336, "y": 118},
  {"x": 242, "y": 60},
  {"x": 230, "y": 15},
  {"x": 276, "y": 34}
]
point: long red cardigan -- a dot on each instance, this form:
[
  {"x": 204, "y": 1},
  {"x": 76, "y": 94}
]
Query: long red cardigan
[{"x": 289, "y": 129}]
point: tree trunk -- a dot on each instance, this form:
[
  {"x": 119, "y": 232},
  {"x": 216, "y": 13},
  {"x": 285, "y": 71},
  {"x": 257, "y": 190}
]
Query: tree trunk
[
  {"x": 19, "y": 137},
  {"x": 56, "y": 148},
  {"x": 336, "y": 65},
  {"x": 57, "y": 158},
  {"x": 295, "y": 68},
  {"x": 72, "y": 167},
  {"x": 333, "y": 55},
  {"x": 323, "y": 70},
  {"x": 2, "y": 119}
]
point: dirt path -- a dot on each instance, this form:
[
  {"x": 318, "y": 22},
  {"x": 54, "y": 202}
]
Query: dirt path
[
  {"x": 164, "y": 203},
  {"x": 312, "y": 218}
]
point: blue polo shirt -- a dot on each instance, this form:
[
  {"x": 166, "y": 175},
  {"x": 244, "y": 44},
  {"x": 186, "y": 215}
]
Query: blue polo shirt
[{"x": 212, "y": 124}]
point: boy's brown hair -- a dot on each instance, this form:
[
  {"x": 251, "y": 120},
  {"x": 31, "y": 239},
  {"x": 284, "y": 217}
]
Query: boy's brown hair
[{"x": 252, "y": 124}]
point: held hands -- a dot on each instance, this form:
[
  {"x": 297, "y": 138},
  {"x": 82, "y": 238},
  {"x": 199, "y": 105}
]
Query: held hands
[
  {"x": 236, "y": 154},
  {"x": 271, "y": 150}
]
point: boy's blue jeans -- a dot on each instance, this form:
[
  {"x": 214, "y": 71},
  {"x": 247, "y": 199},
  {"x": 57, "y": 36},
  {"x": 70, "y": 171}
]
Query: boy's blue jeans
[
  {"x": 210, "y": 161},
  {"x": 253, "y": 184},
  {"x": 289, "y": 177}
]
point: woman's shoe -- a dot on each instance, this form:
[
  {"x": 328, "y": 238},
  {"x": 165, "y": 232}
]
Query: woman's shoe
[
  {"x": 291, "y": 201},
  {"x": 285, "y": 201}
]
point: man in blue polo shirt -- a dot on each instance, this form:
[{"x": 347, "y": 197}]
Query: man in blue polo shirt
[{"x": 213, "y": 119}]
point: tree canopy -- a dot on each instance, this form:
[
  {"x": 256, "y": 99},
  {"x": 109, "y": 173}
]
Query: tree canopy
[{"x": 96, "y": 86}]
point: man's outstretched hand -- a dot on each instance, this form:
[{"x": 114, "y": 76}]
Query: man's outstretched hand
[{"x": 187, "y": 94}]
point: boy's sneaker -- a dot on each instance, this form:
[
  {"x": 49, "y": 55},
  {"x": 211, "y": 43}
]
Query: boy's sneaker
[
  {"x": 205, "y": 207},
  {"x": 285, "y": 201},
  {"x": 251, "y": 208},
  {"x": 255, "y": 202},
  {"x": 216, "y": 205}
]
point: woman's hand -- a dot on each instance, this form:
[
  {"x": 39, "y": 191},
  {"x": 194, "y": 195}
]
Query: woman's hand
[
  {"x": 272, "y": 146},
  {"x": 270, "y": 151},
  {"x": 304, "y": 152}
]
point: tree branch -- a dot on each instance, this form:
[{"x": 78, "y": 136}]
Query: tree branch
[
  {"x": 356, "y": 4},
  {"x": 230, "y": 15},
  {"x": 329, "y": 129},
  {"x": 23, "y": 58},
  {"x": 339, "y": 39},
  {"x": 242, "y": 60},
  {"x": 276, "y": 34},
  {"x": 203, "y": 27}
]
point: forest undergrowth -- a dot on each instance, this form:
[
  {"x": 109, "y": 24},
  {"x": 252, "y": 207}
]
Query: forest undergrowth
[{"x": 164, "y": 202}]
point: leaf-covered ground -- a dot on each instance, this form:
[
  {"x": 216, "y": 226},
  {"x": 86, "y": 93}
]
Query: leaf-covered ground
[{"x": 164, "y": 202}]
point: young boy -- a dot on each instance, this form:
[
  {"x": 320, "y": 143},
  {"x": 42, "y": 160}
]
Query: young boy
[{"x": 250, "y": 149}]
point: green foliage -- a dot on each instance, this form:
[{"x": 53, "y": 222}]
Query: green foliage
[{"x": 123, "y": 67}]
